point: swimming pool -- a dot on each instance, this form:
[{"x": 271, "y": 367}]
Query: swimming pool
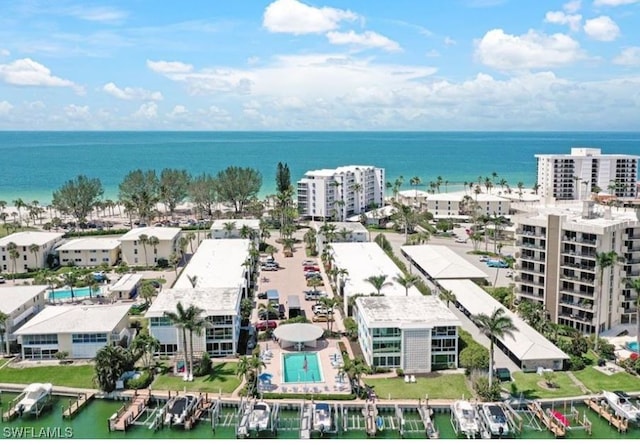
[
  {"x": 78, "y": 292},
  {"x": 632, "y": 346},
  {"x": 295, "y": 370}
]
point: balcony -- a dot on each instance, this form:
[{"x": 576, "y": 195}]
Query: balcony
[
  {"x": 579, "y": 305},
  {"x": 578, "y": 292},
  {"x": 578, "y": 279},
  {"x": 578, "y": 266},
  {"x": 576, "y": 317}
]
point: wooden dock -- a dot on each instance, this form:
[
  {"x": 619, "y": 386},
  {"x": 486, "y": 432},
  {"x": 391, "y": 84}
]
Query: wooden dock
[
  {"x": 77, "y": 405},
  {"x": 619, "y": 423},
  {"x": 11, "y": 413},
  {"x": 203, "y": 406},
  {"x": 552, "y": 424},
  {"x": 126, "y": 415}
]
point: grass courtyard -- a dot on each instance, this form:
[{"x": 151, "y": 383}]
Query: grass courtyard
[
  {"x": 532, "y": 386},
  {"x": 222, "y": 379},
  {"x": 72, "y": 376},
  {"x": 596, "y": 381},
  {"x": 444, "y": 386}
]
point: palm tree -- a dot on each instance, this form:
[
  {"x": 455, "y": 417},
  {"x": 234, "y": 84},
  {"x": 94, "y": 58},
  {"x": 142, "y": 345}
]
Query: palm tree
[
  {"x": 180, "y": 320},
  {"x": 405, "y": 215},
  {"x": 255, "y": 367},
  {"x": 34, "y": 249},
  {"x": 356, "y": 189},
  {"x": 69, "y": 279},
  {"x": 330, "y": 304},
  {"x": 12, "y": 248},
  {"x": 193, "y": 279},
  {"x": 4, "y": 331},
  {"x": 147, "y": 292},
  {"x": 415, "y": 182},
  {"x": 448, "y": 296},
  {"x": 144, "y": 346},
  {"x": 406, "y": 281},
  {"x": 108, "y": 367},
  {"x": 229, "y": 227},
  {"x": 195, "y": 324},
  {"x": 635, "y": 285},
  {"x": 377, "y": 281},
  {"x": 496, "y": 325},
  {"x": 19, "y": 203},
  {"x": 144, "y": 239},
  {"x": 153, "y": 242},
  {"x": 604, "y": 260},
  {"x": 190, "y": 237}
]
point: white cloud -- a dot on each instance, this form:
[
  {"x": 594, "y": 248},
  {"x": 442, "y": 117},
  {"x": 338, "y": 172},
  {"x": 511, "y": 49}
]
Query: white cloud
[
  {"x": 164, "y": 67},
  {"x": 77, "y": 111},
  {"x": 35, "y": 105},
  {"x": 614, "y": 2},
  {"x": 432, "y": 53},
  {"x": 528, "y": 51},
  {"x": 367, "y": 39},
  {"x": 129, "y": 93},
  {"x": 4, "y": 52},
  {"x": 100, "y": 14},
  {"x": 147, "y": 110},
  {"x": 448, "y": 41},
  {"x": 294, "y": 17},
  {"x": 602, "y": 28},
  {"x": 178, "y": 110},
  {"x": 27, "y": 72},
  {"x": 560, "y": 18},
  {"x": 572, "y": 6},
  {"x": 628, "y": 57},
  {"x": 5, "y": 108}
]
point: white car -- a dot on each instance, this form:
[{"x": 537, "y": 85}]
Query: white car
[{"x": 461, "y": 240}]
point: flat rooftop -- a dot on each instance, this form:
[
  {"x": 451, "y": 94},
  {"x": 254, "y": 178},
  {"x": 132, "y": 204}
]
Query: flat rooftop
[
  {"x": 89, "y": 243},
  {"x": 572, "y": 212},
  {"x": 406, "y": 312},
  {"x": 364, "y": 260},
  {"x": 126, "y": 282},
  {"x": 440, "y": 262},
  {"x": 459, "y": 196},
  {"x": 162, "y": 233},
  {"x": 355, "y": 227},
  {"x": 213, "y": 301},
  {"x": 27, "y": 238},
  {"x": 219, "y": 224},
  {"x": 527, "y": 344},
  {"x": 75, "y": 319},
  {"x": 12, "y": 297},
  {"x": 216, "y": 263}
]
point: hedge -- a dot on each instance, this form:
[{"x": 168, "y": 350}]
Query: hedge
[
  {"x": 314, "y": 396},
  {"x": 143, "y": 381}
]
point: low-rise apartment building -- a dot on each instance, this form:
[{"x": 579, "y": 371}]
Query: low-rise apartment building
[
  {"x": 89, "y": 252},
  {"x": 144, "y": 246},
  {"x": 32, "y": 249}
]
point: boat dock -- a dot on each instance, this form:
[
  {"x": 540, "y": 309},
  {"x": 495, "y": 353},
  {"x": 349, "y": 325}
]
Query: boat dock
[
  {"x": 244, "y": 411},
  {"x": 77, "y": 405},
  {"x": 426, "y": 415},
  {"x": 370, "y": 413},
  {"x": 557, "y": 428},
  {"x": 306, "y": 420},
  {"x": 203, "y": 406},
  {"x": 128, "y": 414},
  {"x": 619, "y": 423}
]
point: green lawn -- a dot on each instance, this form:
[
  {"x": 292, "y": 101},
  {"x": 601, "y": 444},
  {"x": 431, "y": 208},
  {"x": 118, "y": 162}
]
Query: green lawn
[
  {"x": 449, "y": 386},
  {"x": 61, "y": 375},
  {"x": 527, "y": 384},
  {"x": 223, "y": 378},
  {"x": 597, "y": 381}
]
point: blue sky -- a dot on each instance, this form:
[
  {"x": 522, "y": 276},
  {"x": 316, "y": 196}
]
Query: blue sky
[{"x": 321, "y": 65}]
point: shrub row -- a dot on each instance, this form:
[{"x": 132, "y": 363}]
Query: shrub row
[
  {"x": 79, "y": 234},
  {"x": 141, "y": 382}
]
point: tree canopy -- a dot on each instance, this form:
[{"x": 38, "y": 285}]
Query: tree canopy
[
  {"x": 174, "y": 187},
  {"x": 203, "y": 194},
  {"x": 283, "y": 178},
  {"x": 237, "y": 186},
  {"x": 78, "y": 196},
  {"x": 139, "y": 190}
]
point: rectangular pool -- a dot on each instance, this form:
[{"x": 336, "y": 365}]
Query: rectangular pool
[
  {"x": 78, "y": 292},
  {"x": 301, "y": 367}
]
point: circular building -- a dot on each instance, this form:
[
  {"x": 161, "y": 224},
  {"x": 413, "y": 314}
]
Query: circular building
[{"x": 297, "y": 335}]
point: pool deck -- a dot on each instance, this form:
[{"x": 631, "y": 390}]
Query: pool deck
[{"x": 330, "y": 383}]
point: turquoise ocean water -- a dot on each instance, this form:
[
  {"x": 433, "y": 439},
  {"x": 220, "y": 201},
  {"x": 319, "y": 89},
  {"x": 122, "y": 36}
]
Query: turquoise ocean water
[{"x": 36, "y": 163}]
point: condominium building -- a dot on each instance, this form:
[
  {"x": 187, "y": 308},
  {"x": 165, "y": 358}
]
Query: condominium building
[
  {"x": 340, "y": 193},
  {"x": 557, "y": 266},
  {"x": 89, "y": 252},
  {"x": 19, "y": 304},
  {"x": 33, "y": 248},
  {"x": 342, "y": 232},
  {"x": 458, "y": 204},
  {"x": 415, "y": 333},
  {"x": 144, "y": 246},
  {"x": 575, "y": 176}
]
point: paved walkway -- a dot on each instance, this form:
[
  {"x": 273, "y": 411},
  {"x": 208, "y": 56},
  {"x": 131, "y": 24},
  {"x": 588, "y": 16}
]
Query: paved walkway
[{"x": 578, "y": 383}]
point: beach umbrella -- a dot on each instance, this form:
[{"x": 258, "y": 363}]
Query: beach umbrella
[{"x": 265, "y": 376}]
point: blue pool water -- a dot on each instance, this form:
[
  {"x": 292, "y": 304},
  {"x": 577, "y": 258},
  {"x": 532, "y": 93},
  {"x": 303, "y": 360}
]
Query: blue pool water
[
  {"x": 78, "y": 292},
  {"x": 294, "y": 368},
  {"x": 632, "y": 346}
]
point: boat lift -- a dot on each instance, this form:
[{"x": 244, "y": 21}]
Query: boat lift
[{"x": 306, "y": 420}]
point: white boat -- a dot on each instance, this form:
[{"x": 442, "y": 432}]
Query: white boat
[
  {"x": 179, "y": 408},
  {"x": 622, "y": 406},
  {"x": 321, "y": 417},
  {"x": 465, "y": 417},
  {"x": 495, "y": 419},
  {"x": 259, "y": 417},
  {"x": 34, "y": 397}
]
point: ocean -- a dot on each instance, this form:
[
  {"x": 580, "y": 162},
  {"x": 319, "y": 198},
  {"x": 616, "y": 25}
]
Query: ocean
[{"x": 34, "y": 164}]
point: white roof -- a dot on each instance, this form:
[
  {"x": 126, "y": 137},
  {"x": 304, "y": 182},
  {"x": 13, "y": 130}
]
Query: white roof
[
  {"x": 162, "y": 233},
  {"x": 298, "y": 332},
  {"x": 126, "y": 282},
  {"x": 88, "y": 243},
  {"x": 440, "y": 262},
  {"x": 527, "y": 344},
  {"x": 28, "y": 238},
  {"x": 327, "y": 172},
  {"x": 12, "y": 297},
  {"x": 216, "y": 263},
  {"x": 364, "y": 260},
  {"x": 423, "y": 311},
  {"x": 381, "y": 212},
  {"x": 458, "y": 196},
  {"x": 413, "y": 193},
  {"x": 355, "y": 227},
  {"x": 75, "y": 319},
  {"x": 218, "y": 301},
  {"x": 218, "y": 224}
]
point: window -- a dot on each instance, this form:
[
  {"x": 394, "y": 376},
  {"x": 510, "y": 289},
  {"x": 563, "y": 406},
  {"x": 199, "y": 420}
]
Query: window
[
  {"x": 167, "y": 349},
  {"x": 160, "y": 321},
  {"x": 89, "y": 338},
  {"x": 135, "y": 251},
  {"x": 40, "y": 339}
]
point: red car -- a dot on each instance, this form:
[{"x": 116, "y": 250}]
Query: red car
[
  {"x": 264, "y": 325},
  {"x": 311, "y": 269}
]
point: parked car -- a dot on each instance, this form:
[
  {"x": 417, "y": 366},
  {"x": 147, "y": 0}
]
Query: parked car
[
  {"x": 321, "y": 309},
  {"x": 503, "y": 374},
  {"x": 314, "y": 294},
  {"x": 322, "y": 317},
  {"x": 309, "y": 263},
  {"x": 309, "y": 275},
  {"x": 311, "y": 268},
  {"x": 461, "y": 240},
  {"x": 2, "y": 280},
  {"x": 270, "y": 267},
  {"x": 262, "y": 295},
  {"x": 499, "y": 263},
  {"x": 264, "y": 325}
]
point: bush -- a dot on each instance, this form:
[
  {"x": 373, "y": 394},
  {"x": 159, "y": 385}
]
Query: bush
[
  {"x": 576, "y": 363},
  {"x": 480, "y": 384},
  {"x": 141, "y": 382},
  {"x": 163, "y": 263},
  {"x": 400, "y": 372},
  {"x": 474, "y": 358},
  {"x": 203, "y": 367}
]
